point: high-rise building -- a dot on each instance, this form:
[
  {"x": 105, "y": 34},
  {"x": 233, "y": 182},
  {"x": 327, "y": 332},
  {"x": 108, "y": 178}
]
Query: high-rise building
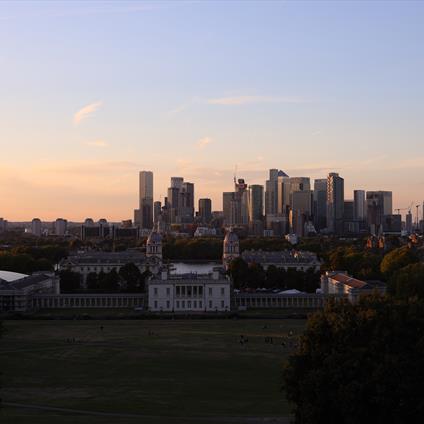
[
  {"x": 271, "y": 191},
  {"x": 320, "y": 203},
  {"x": 3, "y": 225},
  {"x": 359, "y": 205},
  {"x": 143, "y": 216},
  {"x": 335, "y": 203},
  {"x": 157, "y": 211},
  {"x": 227, "y": 199},
  {"x": 186, "y": 211},
  {"x": 180, "y": 201},
  {"x": 36, "y": 227},
  {"x": 379, "y": 203},
  {"x": 256, "y": 202},
  {"x": 408, "y": 222},
  {"x": 60, "y": 226},
  {"x": 205, "y": 210}
]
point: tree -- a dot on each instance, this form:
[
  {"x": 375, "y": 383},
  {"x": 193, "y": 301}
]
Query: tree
[
  {"x": 359, "y": 363},
  {"x": 397, "y": 259},
  {"x": 92, "y": 281},
  {"x": 239, "y": 271},
  {"x": 69, "y": 281},
  {"x": 131, "y": 275},
  {"x": 110, "y": 281},
  {"x": 408, "y": 282}
]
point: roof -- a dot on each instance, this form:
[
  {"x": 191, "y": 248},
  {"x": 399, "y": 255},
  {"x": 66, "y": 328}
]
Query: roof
[
  {"x": 22, "y": 283},
  {"x": 11, "y": 276},
  {"x": 354, "y": 283},
  {"x": 349, "y": 281}
]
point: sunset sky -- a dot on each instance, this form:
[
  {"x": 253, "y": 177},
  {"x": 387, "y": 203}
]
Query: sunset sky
[{"x": 93, "y": 92}]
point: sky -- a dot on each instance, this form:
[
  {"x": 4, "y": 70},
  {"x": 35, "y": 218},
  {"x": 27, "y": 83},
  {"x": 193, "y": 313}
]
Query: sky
[{"x": 93, "y": 92}]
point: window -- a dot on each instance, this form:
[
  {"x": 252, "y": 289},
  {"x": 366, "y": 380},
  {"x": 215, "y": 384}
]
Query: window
[
  {"x": 183, "y": 303},
  {"x": 222, "y": 291},
  {"x": 195, "y": 291},
  {"x": 210, "y": 291},
  {"x": 195, "y": 304},
  {"x": 155, "y": 291},
  {"x": 183, "y": 290},
  {"x": 156, "y": 304},
  {"x": 222, "y": 304},
  {"x": 178, "y": 303},
  {"x": 200, "y": 303},
  {"x": 188, "y": 290},
  {"x": 200, "y": 291},
  {"x": 178, "y": 290},
  {"x": 167, "y": 304},
  {"x": 210, "y": 304},
  {"x": 168, "y": 291}
]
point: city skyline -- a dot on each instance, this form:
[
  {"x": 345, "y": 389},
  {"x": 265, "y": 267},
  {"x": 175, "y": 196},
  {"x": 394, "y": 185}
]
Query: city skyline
[{"x": 309, "y": 88}]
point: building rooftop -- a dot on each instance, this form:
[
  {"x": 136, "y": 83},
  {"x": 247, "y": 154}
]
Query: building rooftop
[{"x": 11, "y": 276}]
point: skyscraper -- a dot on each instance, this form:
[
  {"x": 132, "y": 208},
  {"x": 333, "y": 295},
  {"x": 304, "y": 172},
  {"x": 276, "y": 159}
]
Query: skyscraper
[
  {"x": 335, "y": 203},
  {"x": 180, "y": 203},
  {"x": 379, "y": 203},
  {"x": 359, "y": 205},
  {"x": 36, "y": 227},
  {"x": 256, "y": 202},
  {"x": 205, "y": 210},
  {"x": 320, "y": 203},
  {"x": 271, "y": 191},
  {"x": 143, "y": 216}
]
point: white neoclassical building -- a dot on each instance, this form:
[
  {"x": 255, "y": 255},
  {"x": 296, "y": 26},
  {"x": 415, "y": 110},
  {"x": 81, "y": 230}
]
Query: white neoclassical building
[{"x": 189, "y": 293}]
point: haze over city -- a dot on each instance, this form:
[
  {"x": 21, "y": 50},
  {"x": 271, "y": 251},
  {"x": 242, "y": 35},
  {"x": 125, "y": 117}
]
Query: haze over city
[{"x": 194, "y": 90}]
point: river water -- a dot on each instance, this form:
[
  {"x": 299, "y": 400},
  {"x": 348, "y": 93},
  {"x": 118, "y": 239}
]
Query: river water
[{"x": 193, "y": 267}]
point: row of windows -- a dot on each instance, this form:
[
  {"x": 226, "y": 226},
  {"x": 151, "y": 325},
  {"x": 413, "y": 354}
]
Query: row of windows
[
  {"x": 188, "y": 304},
  {"x": 189, "y": 291}
]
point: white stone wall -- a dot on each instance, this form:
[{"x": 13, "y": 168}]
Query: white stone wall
[{"x": 193, "y": 296}]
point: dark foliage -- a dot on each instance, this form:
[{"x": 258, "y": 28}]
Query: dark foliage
[{"x": 359, "y": 364}]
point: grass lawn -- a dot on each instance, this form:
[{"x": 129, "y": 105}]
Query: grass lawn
[{"x": 187, "y": 371}]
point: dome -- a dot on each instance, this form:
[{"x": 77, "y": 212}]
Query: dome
[
  {"x": 154, "y": 238},
  {"x": 231, "y": 237}
]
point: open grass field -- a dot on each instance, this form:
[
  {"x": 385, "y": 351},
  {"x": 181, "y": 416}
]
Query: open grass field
[{"x": 152, "y": 371}]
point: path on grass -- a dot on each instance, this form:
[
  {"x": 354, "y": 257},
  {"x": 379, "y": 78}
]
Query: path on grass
[{"x": 212, "y": 419}]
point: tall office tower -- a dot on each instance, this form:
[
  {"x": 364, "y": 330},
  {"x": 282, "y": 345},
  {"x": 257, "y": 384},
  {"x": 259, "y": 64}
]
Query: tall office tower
[
  {"x": 3, "y": 225},
  {"x": 240, "y": 206},
  {"x": 408, "y": 222},
  {"x": 359, "y": 205},
  {"x": 186, "y": 204},
  {"x": 36, "y": 227},
  {"x": 256, "y": 202},
  {"x": 299, "y": 184},
  {"x": 335, "y": 203},
  {"x": 157, "y": 211},
  {"x": 205, "y": 210},
  {"x": 283, "y": 195},
  {"x": 173, "y": 201},
  {"x": 379, "y": 203},
  {"x": 143, "y": 217},
  {"x": 271, "y": 191},
  {"x": 180, "y": 203},
  {"x": 320, "y": 203},
  {"x": 60, "y": 226},
  {"x": 227, "y": 198},
  {"x": 177, "y": 182}
]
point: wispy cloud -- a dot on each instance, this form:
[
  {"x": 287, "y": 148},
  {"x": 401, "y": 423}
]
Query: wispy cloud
[
  {"x": 245, "y": 100},
  {"x": 86, "y": 112},
  {"x": 203, "y": 142},
  {"x": 96, "y": 143}
]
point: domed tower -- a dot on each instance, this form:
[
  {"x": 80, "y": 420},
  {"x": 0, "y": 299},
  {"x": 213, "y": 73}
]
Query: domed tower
[
  {"x": 231, "y": 248},
  {"x": 154, "y": 245}
]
